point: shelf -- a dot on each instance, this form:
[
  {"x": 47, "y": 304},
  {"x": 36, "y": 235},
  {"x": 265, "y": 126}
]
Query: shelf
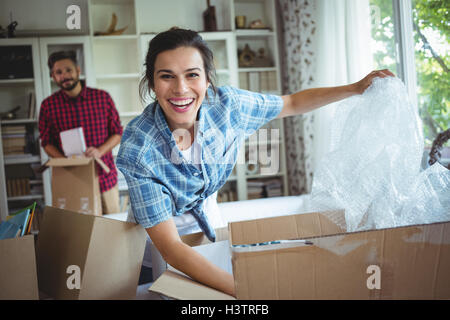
[
  {"x": 27, "y": 197},
  {"x": 18, "y": 121},
  {"x": 16, "y": 81},
  {"x": 9, "y": 160},
  {"x": 254, "y": 32}
]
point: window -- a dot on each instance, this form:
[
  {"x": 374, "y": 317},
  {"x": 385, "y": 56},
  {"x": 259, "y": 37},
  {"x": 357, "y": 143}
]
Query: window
[
  {"x": 410, "y": 37},
  {"x": 431, "y": 33}
]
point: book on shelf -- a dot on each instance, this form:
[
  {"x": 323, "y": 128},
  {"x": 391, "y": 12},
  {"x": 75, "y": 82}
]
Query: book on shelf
[
  {"x": 18, "y": 187},
  {"x": 264, "y": 188},
  {"x": 32, "y": 105},
  {"x": 14, "y": 139},
  {"x": 15, "y": 129}
]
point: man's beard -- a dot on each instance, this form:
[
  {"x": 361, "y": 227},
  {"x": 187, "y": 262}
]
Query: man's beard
[{"x": 75, "y": 83}]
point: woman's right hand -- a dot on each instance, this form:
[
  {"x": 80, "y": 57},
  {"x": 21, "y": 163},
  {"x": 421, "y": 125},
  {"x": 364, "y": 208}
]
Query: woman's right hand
[{"x": 182, "y": 257}]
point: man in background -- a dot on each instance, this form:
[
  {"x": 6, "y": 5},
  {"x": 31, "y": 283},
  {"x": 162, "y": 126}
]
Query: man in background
[{"x": 76, "y": 105}]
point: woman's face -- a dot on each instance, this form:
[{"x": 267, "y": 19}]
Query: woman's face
[{"x": 180, "y": 85}]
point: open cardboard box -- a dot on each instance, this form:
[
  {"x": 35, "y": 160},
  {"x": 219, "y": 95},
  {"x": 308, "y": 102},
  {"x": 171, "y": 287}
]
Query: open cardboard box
[
  {"x": 81, "y": 256},
  {"x": 410, "y": 262},
  {"x": 18, "y": 275},
  {"x": 75, "y": 184}
]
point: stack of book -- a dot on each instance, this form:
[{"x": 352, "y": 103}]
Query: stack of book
[
  {"x": 274, "y": 188},
  {"x": 14, "y": 140},
  {"x": 18, "y": 224},
  {"x": 257, "y": 189}
]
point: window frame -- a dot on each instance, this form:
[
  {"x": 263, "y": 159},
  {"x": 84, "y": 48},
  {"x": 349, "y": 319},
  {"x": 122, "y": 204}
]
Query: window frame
[{"x": 404, "y": 39}]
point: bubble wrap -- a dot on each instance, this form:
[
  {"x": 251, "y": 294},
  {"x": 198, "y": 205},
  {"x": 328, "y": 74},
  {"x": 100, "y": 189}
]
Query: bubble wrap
[{"x": 373, "y": 169}]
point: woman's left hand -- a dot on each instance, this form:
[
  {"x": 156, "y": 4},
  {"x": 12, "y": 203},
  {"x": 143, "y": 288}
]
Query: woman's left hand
[{"x": 363, "y": 84}]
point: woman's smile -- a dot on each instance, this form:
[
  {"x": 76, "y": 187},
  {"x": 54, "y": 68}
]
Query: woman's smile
[
  {"x": 180, "y": 85},
  {"x": 181, "y": 104}
]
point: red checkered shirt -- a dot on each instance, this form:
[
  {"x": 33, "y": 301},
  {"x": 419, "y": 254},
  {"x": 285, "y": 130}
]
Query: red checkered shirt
[{"x": 92, "y": 109}]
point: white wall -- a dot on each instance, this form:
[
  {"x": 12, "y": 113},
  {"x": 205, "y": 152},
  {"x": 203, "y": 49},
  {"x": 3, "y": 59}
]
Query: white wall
[{"x": 41, "y": 14}]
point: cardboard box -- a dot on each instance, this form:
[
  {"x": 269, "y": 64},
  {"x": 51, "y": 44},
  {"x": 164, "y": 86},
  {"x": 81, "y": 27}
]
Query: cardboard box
[
  {"x": 18, "y": 277},
  {"x": 175, "y": 284},
  {"x": 83, "y": 256},
  {"x": 397, "y": 263},
  {"x": 75, "y": 184}
]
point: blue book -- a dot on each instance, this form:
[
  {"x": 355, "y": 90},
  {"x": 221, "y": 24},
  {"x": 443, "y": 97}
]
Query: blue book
[
  {"x": 21, "y": 219},
  {"x": 8, "y": 230}
]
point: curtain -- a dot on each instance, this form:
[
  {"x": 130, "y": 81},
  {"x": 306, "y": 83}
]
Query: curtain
[
  {"x": 322, "y": 43},
  {"x": 343, "y": 57},
  {"x": 297, "y": 27}
]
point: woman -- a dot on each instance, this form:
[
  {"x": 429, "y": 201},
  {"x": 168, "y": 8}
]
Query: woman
[{"x": 182, "y": 148}]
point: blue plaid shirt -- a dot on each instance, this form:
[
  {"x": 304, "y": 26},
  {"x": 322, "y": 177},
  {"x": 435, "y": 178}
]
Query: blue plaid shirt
[{"x": 161, "y": 183}]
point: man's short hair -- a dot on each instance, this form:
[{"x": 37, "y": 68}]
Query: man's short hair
[{"x": 61, "y": 55}]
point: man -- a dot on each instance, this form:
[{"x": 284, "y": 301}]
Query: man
[{"x": 76, "y": 105}]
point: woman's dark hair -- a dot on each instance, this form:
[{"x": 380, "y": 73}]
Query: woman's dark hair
[
  {"x": 173, "y": 39},
  {"x": 61, "y": 55}
]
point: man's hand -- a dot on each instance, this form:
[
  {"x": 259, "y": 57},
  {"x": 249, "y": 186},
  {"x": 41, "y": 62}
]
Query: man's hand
[
  {"x": 93, "y": 152},
  {"x": 363, "y": 84}
]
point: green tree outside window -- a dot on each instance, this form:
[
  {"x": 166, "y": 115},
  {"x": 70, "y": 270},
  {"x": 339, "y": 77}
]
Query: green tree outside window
[{"x": 431, "y": 35}]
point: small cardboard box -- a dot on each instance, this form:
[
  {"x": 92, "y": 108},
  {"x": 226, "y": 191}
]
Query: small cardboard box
[
  {"x": 83, "y": 256},
  {"x": 75, "y": 184},
  {"x": 319, "y": 260},
  {"x": 18, "y": 277}
]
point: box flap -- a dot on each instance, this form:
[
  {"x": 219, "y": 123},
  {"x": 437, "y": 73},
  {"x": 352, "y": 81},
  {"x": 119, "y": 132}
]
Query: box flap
[
  {"x": 75, "y": 161},
  {"x": 18, "y": 275},
  {"x": 63, "y": 241},
  {"x": 298, "y": 226},
  {"x": 178, "y": 286},
  {"x": 102, "y": 165},
  {"x": 65, "y": 162},
  {"x": 114, "y": 260}
]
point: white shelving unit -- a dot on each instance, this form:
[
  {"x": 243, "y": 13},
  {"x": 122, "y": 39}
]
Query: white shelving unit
[
  {"x": 13, "y": 92},
  {"x": 261, "y": 78},
  {"x": 115, "y": 63}
]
